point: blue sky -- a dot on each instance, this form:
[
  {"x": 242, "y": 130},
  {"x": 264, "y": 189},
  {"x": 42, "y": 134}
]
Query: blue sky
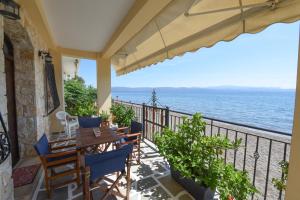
[{"x": 266, "y": 59}]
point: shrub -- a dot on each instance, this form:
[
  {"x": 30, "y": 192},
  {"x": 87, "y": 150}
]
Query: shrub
[
  {"x": 122, "y": 115},
  {"x": 80, "y": 99},
  {"x": 198, "y": 157}
]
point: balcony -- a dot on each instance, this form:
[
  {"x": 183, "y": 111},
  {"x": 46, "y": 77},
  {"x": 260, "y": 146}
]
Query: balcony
[
  {"x": 261, "y": 150},
  {"x": 260, "y": 154}
]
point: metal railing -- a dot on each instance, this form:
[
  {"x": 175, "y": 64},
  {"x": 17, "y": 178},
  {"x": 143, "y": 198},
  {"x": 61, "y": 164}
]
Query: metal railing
[{"x": 262, "y": 149}]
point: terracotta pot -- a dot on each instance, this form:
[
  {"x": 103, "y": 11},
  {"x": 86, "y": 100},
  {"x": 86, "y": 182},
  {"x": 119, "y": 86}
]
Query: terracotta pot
[
  {"x": 105, "y": 124},
  {"x": 230, "y": 197},
  {"x": 113, "y": 118}
]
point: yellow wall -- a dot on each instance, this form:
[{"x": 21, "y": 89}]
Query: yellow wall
[
  {"x": 293, "y": 187},
  {"x": 103, "y": 84}
]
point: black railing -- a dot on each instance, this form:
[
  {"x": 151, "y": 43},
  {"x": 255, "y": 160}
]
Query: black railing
[
  {"x": 260, "y": 154},
  {"x": 5, "y": 147}
]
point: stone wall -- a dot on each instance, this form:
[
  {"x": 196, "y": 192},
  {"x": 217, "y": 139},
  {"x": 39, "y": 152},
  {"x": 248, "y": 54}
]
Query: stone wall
[
  {"x": 29, "y": 89},
  {"x": 29, "y": 84},
  {"x": 6, "y": 183},
  {"x": 24, "y": 85}
]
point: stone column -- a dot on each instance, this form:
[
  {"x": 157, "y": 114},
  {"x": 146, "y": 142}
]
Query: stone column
[
  {"x": 103, "y": 84},
  {"x": 292, "y": 192}
]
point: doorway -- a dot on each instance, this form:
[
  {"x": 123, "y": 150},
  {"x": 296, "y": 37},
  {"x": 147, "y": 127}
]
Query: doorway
[{"x": 11, "y": 99}]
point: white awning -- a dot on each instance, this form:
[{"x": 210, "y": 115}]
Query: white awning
[{"x": 187, "y": 25}]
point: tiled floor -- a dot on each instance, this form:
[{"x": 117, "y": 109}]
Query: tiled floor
[{"x": 150, "y": 180}]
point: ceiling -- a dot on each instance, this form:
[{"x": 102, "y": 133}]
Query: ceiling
[{"x": 84, "y": 25}]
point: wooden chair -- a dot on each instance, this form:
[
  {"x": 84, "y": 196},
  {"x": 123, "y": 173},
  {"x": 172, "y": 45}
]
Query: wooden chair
[
  {"x": 102, "y": 164},
  {"x": 89, "y": 122},
  {"x": 132, "y": 135},
  {"x": 53, "y": 157}
]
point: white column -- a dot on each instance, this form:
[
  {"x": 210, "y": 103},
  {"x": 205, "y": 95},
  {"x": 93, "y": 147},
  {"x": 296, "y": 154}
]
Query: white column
[
  {"x": 103, "y": 84},
  {"x": 293, "y": 191}
]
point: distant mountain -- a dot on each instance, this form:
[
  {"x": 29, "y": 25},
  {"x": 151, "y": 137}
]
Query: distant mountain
[
  {"x": 248, "y": 88},
  {"x": 120, "y": 89}
]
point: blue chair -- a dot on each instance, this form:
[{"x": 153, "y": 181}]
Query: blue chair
[
  {"x": 89, "y": 122},
  {"x": 101, "y": 164},
  {"x": 132, "y": 135},
  {"x": 52, "y": 157}
]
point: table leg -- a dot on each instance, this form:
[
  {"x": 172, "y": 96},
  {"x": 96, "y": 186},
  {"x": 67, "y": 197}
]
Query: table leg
[{"x": 86, "y": 183}]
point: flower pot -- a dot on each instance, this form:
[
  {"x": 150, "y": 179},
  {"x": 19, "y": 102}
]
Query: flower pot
[
  {"x": 105, "y": 124},
  {"x": 199, "y": 192},
  {"x": 230, "y": 197}
]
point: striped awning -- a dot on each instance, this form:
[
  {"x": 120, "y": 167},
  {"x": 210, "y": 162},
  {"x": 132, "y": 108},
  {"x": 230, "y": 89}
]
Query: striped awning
[{"x": 187, "y": 25}]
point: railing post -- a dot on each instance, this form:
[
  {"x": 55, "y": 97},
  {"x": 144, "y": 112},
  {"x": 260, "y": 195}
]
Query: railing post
[
  {"x": 143, "y": 120},
  {"x": 167, "y": 116}
]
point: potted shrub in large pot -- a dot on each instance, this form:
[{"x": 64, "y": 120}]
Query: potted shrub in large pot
[
  {"x": 196, "y": 162},
  {"x": 104, "y": 119}
]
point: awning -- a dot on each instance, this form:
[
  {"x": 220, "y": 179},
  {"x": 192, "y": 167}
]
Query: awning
[{"x": 187, "y": 25}]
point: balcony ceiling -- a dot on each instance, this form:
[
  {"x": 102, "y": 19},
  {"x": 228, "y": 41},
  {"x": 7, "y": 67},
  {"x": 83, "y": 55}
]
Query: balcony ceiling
[{"x": 84, "y": 25}]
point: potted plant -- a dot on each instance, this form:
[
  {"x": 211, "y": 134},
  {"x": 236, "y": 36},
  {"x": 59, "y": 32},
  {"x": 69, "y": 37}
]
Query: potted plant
[
  {"x": 196, "y": 162},
  {"x": 104, "y": 119},
  {"x": 122, "y": 115}
]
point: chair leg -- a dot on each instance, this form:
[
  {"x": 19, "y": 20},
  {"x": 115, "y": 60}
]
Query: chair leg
[
  {"x": 113, "y": 186},
  {"x": 47, "y": 184},
  {"x": 139, "y": 153},
  {"x": 91, "y": 195},
  {"x": 77, "y": 165},
  {"x": 128, "y": 179}
]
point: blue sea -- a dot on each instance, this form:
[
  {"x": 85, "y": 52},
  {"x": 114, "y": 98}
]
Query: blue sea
[{"x": 265, "y": 108}]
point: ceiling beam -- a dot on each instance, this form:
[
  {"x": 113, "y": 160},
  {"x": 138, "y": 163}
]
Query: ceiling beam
[
  {"x": 140, "y": 14},
  {"x": 79, "y": 53}
]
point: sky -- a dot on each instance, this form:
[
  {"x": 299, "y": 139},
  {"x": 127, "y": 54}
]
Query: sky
[{"x": 266, "y": 59}]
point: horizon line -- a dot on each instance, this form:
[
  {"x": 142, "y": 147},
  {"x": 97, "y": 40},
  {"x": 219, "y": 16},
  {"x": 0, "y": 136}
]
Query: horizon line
[{"x": 207, "y": 87}]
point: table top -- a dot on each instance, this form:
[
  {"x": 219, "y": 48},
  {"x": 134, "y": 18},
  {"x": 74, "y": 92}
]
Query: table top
[{"x": 85, "y": 137}]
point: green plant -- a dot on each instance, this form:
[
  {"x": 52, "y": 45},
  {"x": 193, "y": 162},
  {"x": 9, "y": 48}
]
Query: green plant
[
  {"x": 122, "y": 115},
  {"x": 235, "y": 183},
  {"x": 280, "y": 184},
  {"x": 80, "y": 99},
  {"x": 198, "y": 157},
  {"x": 104, "y": 116}
]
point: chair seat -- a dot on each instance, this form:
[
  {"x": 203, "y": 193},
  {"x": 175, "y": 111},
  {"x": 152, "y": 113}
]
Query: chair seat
[
  {"x": 73, "y": 123},
  {"x": 61, "y": 157}
]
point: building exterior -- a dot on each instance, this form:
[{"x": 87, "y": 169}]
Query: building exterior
[{"x": 70, "y": 67}]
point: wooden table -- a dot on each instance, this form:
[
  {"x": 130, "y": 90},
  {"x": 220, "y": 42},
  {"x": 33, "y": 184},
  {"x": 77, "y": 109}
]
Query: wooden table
[{"x": 86, "y": 138}]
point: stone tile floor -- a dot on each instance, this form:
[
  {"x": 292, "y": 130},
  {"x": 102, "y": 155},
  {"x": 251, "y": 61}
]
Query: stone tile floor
[{"x": 150, "y": 180}]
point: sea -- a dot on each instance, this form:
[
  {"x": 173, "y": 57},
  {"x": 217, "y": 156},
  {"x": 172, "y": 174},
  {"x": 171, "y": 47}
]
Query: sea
[{"x": 269, "y": 108}]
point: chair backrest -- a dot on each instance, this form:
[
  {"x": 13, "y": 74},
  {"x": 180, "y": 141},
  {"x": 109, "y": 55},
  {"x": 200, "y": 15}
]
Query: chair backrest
[
  {"x": 136, "y": 127},
  {"x": 62, "y": 117},
  {"x": 108, "y": 162},
  {"x": 42, "y": 146},
  {"x": 89, "y": 122}
]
